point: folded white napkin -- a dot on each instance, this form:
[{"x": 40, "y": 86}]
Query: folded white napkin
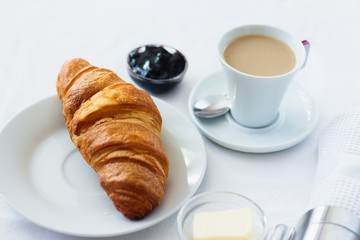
[{"x": 337, "y": 180}]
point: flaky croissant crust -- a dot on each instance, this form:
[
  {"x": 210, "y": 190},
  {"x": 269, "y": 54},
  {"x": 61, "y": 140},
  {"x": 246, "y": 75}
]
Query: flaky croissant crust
[{"x": 116, "y": 128}]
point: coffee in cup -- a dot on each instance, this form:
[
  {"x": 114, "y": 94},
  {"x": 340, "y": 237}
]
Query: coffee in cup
[
  {"x": 259, "y": 62},
  {"x": 260, "y": 55}
]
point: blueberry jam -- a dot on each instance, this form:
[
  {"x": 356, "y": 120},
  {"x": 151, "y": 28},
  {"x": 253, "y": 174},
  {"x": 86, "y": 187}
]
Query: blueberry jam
[{"x": 156, "y": 62}]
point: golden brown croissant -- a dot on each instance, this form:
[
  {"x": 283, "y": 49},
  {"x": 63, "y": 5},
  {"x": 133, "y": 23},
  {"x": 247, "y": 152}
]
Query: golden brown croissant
[{"x": 116, "y": 128}]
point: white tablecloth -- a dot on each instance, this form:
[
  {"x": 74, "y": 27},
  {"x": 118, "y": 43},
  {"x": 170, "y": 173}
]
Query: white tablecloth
[{"x": 36, "y": 37}]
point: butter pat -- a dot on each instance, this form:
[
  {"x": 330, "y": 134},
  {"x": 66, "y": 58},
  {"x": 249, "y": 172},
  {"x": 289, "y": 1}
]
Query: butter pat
[{"x": 235, "y": 224}]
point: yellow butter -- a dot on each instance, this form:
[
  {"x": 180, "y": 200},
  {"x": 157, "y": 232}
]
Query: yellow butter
[{"x": 234, "y": 224}]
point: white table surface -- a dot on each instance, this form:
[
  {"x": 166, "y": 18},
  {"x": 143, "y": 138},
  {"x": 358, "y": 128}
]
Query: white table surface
[{"x": 36, "y": 37}]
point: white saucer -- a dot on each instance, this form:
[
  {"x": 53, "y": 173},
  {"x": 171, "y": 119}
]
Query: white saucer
[{"x": 298, "y": 116}]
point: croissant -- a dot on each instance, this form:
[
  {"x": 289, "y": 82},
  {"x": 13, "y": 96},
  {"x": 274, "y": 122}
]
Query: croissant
[{"x": 116, "y": 128}]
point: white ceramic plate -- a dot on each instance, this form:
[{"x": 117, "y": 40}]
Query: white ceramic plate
[
  {"x": 44, "y": 177},
  {"x": 298, "y": 116}
]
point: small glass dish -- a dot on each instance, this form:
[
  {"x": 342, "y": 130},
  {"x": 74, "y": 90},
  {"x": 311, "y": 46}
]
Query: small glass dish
[
  {"x": 156, "y": 64},
  {"x": 218, "y": 201}
]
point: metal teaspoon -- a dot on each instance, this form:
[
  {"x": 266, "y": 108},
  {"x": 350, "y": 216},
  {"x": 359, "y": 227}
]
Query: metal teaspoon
[{"x": 211, "y": 106}]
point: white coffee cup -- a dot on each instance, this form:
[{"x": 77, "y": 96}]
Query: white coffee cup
[{"x": 255, "y": 100}]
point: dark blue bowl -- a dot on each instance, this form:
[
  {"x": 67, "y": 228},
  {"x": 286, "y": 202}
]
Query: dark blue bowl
[{"x": 156, "y": 64}]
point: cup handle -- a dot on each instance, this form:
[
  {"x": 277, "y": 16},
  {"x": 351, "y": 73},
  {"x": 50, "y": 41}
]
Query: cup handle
[{"x": 306, "y": 45}]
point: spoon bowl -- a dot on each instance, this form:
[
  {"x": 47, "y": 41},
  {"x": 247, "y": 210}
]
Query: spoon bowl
[{"x": 212, "y": 106}]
